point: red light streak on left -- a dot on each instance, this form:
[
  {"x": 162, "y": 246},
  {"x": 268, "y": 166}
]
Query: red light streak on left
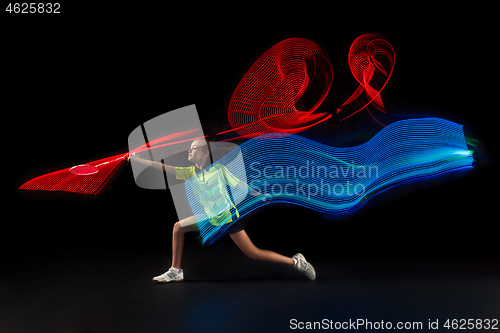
[
  {"x": 86, "y": 179},
  {"x": 89, "y": 178},
  {"x": 371, "y": 60}
]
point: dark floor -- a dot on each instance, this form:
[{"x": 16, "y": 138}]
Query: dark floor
[
  {"x": 111, "y": 291},
  {"x": 85, "y": 264}
]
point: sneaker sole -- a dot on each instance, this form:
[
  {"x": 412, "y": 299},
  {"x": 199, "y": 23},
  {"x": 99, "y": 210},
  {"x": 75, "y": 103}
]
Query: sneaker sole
[{"x": 156, "y": 281}]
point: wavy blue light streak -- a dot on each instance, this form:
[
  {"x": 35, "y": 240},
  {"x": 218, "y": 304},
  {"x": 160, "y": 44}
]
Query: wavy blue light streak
[{"x": 293, "y": 169}]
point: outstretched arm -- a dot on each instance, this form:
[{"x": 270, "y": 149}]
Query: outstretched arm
[{"x": 156, "y": 165}]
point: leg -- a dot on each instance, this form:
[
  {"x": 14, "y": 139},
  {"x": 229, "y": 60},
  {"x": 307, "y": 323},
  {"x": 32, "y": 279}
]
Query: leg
[
  {"x": 180, "y": 228},
  {"x": 242, "y": 240}
]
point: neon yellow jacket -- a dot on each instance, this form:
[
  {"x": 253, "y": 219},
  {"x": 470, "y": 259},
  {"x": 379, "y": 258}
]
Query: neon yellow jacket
[{"x": 210, "y": 187}]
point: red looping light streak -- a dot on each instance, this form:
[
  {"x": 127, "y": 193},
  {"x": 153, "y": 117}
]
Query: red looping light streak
[
  {"x": 371, "y": 60},
  {"x": 265, "y": 99}
]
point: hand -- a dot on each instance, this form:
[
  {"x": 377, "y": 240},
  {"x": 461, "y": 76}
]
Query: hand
[{"x": 129, "y": 156}]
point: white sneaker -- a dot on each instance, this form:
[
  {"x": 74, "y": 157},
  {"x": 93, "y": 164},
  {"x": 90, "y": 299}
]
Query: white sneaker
[
  {"x": 169, "y": 276},
  {"x": 303, "y": 266}
]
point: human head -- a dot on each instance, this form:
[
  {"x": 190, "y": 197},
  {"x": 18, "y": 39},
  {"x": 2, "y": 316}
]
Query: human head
[{"x": 199, "y": 153}]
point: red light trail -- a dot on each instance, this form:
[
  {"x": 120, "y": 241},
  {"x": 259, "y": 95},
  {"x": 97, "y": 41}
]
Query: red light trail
[
  {"x": 371, "y": 60},
  {"x": 87, "y": 178},
  {"x": 293, "y": 72},
  {"x": 265, "y": 99},
  {"x": 90, "y": 177}
]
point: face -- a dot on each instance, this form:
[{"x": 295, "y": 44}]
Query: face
[{"x": 196, "y": 153}]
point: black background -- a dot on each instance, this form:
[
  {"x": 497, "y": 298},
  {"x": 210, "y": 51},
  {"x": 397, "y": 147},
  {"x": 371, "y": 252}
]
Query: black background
[{"x": 75, "y": 86}]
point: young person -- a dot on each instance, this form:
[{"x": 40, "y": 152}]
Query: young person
[{"x": 199, "y": 154}]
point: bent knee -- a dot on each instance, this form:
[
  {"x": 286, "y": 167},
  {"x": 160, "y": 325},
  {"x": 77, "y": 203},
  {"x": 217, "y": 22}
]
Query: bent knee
[{"x": 177, "y": 228}]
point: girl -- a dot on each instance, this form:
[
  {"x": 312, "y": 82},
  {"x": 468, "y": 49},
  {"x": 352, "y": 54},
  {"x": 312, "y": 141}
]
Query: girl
[{"x": 199, "y": 154}]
